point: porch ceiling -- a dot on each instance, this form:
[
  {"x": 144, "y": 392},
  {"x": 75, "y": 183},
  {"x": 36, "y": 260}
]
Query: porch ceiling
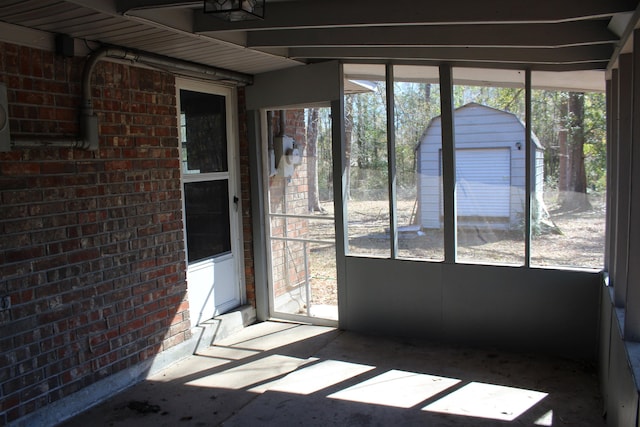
[{"x": 549, "y": 35}]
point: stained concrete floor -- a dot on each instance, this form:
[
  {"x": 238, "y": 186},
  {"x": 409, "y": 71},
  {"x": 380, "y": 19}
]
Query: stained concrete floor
[{"x": 283, "y": 374}]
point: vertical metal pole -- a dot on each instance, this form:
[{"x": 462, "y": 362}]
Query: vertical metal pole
[
  {"x": 529, "y": 171},
  {"x": 258, "y": 216},
  {"x": 340, "y": 200},
  {"x": 612, "y": 176},
  {"x": 285, "y": 234},
  {"x": 448, "y": 164},
  {"x": 632, "y": 297},
  {"x": 391, "y": 156},
  {"x": 607, "y": 223},
  {"x": 624, "y": 179},
  {"x": 307, "y": 284}
]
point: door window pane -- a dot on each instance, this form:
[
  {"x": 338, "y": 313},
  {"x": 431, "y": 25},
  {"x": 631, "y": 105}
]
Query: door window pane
[
  {"x": 207, "y": 219},
  {"x": 203, "y": 126}
]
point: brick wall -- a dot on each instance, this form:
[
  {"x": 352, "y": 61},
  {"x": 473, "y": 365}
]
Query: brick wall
[{"x": 91, "y": 246}]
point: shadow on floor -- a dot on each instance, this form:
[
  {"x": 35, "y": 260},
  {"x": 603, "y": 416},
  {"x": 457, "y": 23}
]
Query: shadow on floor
[{"x": 282, "y": 374}]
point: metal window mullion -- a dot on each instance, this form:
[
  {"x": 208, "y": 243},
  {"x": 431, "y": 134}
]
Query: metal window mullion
[
  {"x": 612, "y": 177},
  {"x": 623, "y": 170},
  {"x": 632, "y": 298},
  {"x": 340, "y": 170},
  {"x": 448, "y": 164},
  {"x": 391, "y": 162},
  {"x": 258, "y": 184},
  {"x": 529, "y": 170},
  {"x": 301, "y": 240},
  {"x": 300, "y": 216},
  {"x": 607, "y": 203}
]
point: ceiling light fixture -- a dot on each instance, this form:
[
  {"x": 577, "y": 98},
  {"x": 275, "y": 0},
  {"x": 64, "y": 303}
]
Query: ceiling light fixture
[{"x": 235, "y": 10}]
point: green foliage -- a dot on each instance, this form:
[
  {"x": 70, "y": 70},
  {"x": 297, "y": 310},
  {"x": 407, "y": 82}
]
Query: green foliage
[
  {"x": 550, "y": 115},
  {"x": 501, "y": 98},
  {"x": 415, "y": 104},
  {"x": 324, "y": 155},
  {"x": 595, "y": 147}
]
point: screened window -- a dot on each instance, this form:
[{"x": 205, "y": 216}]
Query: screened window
[
  {"x": 569, "y": 205},
  {"x": 418, "y": 143},
  {"x": 490, "y": 167},
  {"x": 367, "y": 160},
  {"x": 544, "y": 207}
]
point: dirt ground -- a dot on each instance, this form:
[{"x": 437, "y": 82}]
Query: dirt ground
[{"x": 577, "y": 241}]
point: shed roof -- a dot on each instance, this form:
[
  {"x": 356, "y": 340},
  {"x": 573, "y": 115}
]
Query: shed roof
[{"x": 534, "y": 138}]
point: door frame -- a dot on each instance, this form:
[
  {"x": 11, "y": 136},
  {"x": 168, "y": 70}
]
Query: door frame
[
  {"x": 266, "y": 169},
  {"x": 289, "y": 88},
  {"x": 233, "y": 161}
]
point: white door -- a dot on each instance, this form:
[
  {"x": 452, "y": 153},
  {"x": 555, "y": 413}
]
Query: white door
[{"x": 211, "y": 200}]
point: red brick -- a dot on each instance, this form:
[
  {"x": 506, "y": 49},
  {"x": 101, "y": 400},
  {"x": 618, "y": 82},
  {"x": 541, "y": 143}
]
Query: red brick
[
  {"x": 85, "y": 255},
  {"x": 131, "y": 326},
  {"x": 57, "y": 167},
  {"x": 21, "y": 168},
  {"x": 117, "y": 165},
  {"x": 24, "y": 254}
]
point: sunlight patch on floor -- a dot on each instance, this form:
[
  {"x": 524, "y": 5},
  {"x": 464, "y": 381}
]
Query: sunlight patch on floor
[
  {"x": 392, "y": 388},
  {"x": 545, "y": 420},
  {"x": 396, "y": 388},
  {"x": 273, "y": 335},
  {"x": 324, "y": 311},
  {"x": 316, "y": 377},
  {"x": 487, "y": 401},
  {"x": 251, "y": 373},
  {"x": 228, "y": 353}
]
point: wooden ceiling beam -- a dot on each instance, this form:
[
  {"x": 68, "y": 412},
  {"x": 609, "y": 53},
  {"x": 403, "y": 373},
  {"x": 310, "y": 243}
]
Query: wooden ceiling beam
[
  {"x": 568, "y": 34},
  {"x": 125, "y": 6},
  {"x": 569, "y": 55},
  {"x": 368, "y": 13}
]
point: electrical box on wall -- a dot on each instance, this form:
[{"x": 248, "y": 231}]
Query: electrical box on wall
[
  {"x": 287, "y": 155},
  {"x": 5, "y": 137},
  {"x": 65, "y": 45},
  {"x": 272, "y": 162}
]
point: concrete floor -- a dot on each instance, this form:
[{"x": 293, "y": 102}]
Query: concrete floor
[{"x": 282, "y": 374}]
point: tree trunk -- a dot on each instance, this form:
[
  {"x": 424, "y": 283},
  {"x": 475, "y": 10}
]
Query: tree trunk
[
  {"x": 348, "y": 137},
  {"x": 574, "y": 195},
  {"x": 312, "y": 161},
  {"x": 563, "y": 150}
]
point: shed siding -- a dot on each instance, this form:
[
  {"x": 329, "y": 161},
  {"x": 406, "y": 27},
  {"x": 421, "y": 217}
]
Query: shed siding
[
  {"x": 430, "y": 196},
  {"x": 539, "y": 180}
]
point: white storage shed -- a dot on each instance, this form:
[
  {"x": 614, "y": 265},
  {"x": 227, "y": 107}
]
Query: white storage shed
[{"x": 490, "y": 169}]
